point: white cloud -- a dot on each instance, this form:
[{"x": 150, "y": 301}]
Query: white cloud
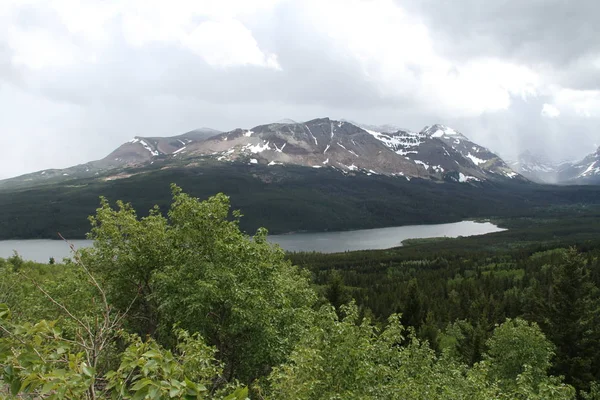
[
  {"x": 550, "y": 111},
  {"x": 227, "y": 43},
  {"x": 209, "y": 29},
  {"x": 583, "y": 103},
  {"x": 397, "y": 54}
]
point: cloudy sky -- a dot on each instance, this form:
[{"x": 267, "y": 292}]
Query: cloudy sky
[{"x": 78, "y": 78}]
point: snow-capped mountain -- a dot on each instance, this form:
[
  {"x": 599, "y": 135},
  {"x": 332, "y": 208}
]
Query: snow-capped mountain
[
  {"x": 318, "y": 143},
  {"x": 437, "y": 152},
  {"x": 446, "y": 153},
  {"x": 586, "y": 171},
  {"x": 536, "y": 168}
]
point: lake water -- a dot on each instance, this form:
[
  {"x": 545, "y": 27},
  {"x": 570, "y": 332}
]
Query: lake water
[{"x": 326, "y": 242}]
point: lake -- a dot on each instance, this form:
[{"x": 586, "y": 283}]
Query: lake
[{"x": 327, "y": 242}]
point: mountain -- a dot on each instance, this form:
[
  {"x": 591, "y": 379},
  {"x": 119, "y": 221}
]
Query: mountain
[
  {"x": 584, "y": 172},
  {"x": 316, "y": 175},
  {"x": 437, "y": 153},
  {"x": 536, "y": 168},
  {"x": 138, "y": 151}
]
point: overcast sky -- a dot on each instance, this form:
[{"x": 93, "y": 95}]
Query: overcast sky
[{"x": 78, "y": 78}]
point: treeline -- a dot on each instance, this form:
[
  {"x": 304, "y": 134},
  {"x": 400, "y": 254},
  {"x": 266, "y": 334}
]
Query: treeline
[{"x": 188, "y": 306}]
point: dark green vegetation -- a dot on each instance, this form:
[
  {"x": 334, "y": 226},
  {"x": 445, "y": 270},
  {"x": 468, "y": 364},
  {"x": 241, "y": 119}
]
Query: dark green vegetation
[
  {"x": 456, "y": 291},
  {"x": 284, "y": 199},
  {"x": 187, "y": 306}
]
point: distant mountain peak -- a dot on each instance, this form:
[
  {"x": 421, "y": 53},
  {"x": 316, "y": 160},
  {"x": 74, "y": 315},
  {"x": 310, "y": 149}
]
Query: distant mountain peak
[{"x": 439, "y": 130}]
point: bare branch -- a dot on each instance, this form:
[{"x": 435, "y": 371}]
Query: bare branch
[
  {"x": 89, "y": 274},
  {"x": 60, "y": 305}
]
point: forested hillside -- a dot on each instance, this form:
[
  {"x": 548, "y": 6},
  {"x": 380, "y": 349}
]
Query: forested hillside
[
  {"x": 284, "y": 199},
  {"x": 188, "y": 306}
]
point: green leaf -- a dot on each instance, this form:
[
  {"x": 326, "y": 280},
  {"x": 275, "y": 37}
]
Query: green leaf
[
  {"x": 174, "y": 392},
  {"x": 141, "y": 384},
  {"x": 47, "y": 387},
  {"x": 4, "y": 312},
  {"x": 239, "y": 394},
  {"x": 15, "y": 386},
  {"x": 151, "y": 354},
  {"x": 87, "y": 370},
  {"x": 140, "y": 394}
]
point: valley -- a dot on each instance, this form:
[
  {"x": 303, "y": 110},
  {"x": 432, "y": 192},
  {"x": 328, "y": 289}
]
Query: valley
[
  {"x": 319, "y": 175},
  {"x": 283, "y": 198}
]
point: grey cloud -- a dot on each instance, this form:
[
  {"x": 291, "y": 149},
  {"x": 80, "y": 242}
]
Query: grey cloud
[
  {"x": 88, "y": 109},
  {"x": 557, "y": 36},
  {"x": 555, "y": 31}
]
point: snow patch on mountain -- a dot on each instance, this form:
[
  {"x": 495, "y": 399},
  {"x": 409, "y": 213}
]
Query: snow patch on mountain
[
  {"x": 476, "y": 161},
  {"x": 257, "y": 148},
  {"x": 311, "y": 135},
  {"x": 147, "y": 147},
  {"x": 590, "y": 170},
  {"x": 462, "y": 178},
  {"x": 422, "y": 163},
  {"x": 279, "y": 150}
]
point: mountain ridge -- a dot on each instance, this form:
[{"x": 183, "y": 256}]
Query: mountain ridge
[{"x": 437, "y": 152}]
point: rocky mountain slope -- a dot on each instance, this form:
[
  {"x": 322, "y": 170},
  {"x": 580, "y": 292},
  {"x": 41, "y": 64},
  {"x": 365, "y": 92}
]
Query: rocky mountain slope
[
  {"x": 585, "y": 171},
  {"x": 436, "y": 153},
  {"x": 136, "y": 152}
]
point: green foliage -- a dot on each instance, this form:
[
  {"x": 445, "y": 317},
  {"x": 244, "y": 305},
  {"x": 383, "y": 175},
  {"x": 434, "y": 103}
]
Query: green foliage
[
  {"x": 19, "y": 290},
  {"x": 566, "y": 302},
  {"x": 448, "y": 320},
  {"x": 149, "y": 371},
  {"x": 126, "y": 252},
  {"x": 454, "y": 295},
  {"x": 518, "y": 347},
  {"x": 38, "y": 361},
  {"x": 349, "y": 359},
  {"x": 593, "y": 393},
  {"x": 198, "y": 270},
  {"x": 16, "y": 261}
]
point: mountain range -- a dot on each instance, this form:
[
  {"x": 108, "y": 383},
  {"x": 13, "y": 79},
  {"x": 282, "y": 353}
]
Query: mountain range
[{"x": 437, "y": 152}]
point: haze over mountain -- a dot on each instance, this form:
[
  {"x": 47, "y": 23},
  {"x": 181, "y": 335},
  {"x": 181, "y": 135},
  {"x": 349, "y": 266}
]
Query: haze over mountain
[
  {"x": 538, "y": 169},
  {"x": 77, "y": 80}
]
